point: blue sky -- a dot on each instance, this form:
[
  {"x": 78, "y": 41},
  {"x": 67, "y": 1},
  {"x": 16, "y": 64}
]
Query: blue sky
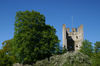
[{"x": 57, "y": 13}]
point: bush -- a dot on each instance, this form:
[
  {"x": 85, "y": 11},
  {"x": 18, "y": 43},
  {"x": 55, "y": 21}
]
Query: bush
[
  {"x": 67, "y": 59},
  {"x": 77, "y": 59}
]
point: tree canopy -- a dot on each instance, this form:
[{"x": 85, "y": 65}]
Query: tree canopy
[
  {"x": 5, "y": 58},
  {"x": 97, "y": 47},
  {"x": 86, "y": 47},
  {"x": 32, "y": 37},
  {"x": 93, "y": 53}
]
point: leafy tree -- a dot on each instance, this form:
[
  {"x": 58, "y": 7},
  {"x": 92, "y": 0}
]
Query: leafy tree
[
  {"x": 6, "y": 46},
  {"x": 95, "y": 59},
  {"x": 58, "y": 50},
  {"x": 86, "y": 47},
  {"x": 97, "y": 47},
  {"x": 33, "y": 39},
  {"x": 64, "y": 50},
  {"x": 5, "y": 58},
  {"x": 96, "y": 54}
]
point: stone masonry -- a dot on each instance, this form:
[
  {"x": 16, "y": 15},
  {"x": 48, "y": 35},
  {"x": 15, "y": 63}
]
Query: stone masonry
[{"x": 72, "y": 40}]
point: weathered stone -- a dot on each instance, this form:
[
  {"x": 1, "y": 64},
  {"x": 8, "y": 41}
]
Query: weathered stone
[
  {"x": 17, "y": 64},
  {"x": 72, "y": 40}
]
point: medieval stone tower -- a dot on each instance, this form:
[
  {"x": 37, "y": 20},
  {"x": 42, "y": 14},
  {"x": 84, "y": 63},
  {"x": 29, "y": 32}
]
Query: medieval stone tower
[{"x": 72, "y": 40}]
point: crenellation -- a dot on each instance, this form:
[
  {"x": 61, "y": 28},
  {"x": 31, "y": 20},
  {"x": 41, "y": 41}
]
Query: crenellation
[{"x": 74, "y": 29}]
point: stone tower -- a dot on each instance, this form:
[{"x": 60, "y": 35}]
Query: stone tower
[{"x": 72, "y": 40}]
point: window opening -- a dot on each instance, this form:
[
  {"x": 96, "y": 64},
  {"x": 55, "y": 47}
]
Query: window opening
[
  {"x": 70, "y": 46},
  {"x": 76, "y": 45},
  {"x": 77, "y": 37}
]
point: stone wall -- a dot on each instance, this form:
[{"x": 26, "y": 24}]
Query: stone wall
[{"x": 72, "y": 40}]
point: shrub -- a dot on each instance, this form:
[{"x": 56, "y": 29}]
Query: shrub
[{"x": 67, "y": 59}]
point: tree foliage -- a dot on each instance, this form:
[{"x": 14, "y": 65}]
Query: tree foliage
[
  {"x": 86, "y": 47},
  {"x": 5, "y": 58},
  {"x": 64, "y": 50},
  {"x": 33, "y": 39},
  {"x": 96, "y": 54},
  {"x": 97, "y": 47},
  {"x": 95, "y": 59}
]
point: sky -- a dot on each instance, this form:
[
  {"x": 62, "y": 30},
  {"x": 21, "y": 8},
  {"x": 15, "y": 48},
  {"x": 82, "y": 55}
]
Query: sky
[{"x": 57, "y": 13}]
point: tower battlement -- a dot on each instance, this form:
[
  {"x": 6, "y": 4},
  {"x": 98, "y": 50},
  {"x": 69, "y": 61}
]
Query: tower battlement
[{"x": 72, "y": 40}]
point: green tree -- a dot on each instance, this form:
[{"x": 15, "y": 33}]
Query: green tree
[
  {"x": 33, "y": 39},
  {"x": 6, "y": 46},
  {"x": 5, "y": 58},
  {"x": 97, "y": 47},
  {"x": 95, "y": 59},
  {"x": 86, "y": 47},
  {"x": 59, "y": 50},
  {"x": 64, "y": 50},
  {"x": 96, "y": 54}
]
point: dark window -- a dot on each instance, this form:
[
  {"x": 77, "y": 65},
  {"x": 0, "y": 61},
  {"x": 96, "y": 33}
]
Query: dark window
[
  {"x": 76, "y": 45},
  {"x": 77, "y": 37},
  {"x": 70, "y": 46}
]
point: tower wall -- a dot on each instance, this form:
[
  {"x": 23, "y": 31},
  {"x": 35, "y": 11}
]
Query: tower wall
[
  {"x": 72, "y": 40},
  {"x": 64, "y": 36}
]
